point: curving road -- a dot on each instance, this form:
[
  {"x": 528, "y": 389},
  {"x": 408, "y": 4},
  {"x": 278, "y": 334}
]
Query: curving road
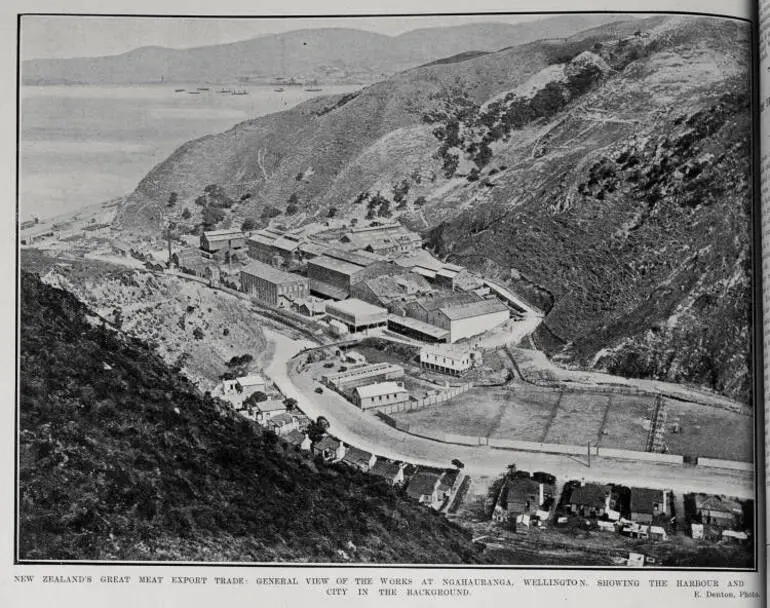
[{"x": 365, "y": 431}]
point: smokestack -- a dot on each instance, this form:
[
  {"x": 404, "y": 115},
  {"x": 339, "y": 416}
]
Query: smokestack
[{"x": 540, "y": 497}]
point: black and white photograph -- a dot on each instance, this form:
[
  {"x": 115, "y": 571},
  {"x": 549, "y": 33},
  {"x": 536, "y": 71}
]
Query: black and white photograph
[{"x": 468, "y": 290}]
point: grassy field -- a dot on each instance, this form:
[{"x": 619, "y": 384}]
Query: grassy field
[
  {"x": 623, "y": 428},
  {"x": 529, "y": 413},
  {"x": 708, "y": 432},
  {"x": 578, "y": 419}
]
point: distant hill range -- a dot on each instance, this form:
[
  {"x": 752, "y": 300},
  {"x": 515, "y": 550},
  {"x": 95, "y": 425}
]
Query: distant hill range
[
  {"x": 323, "y": 55},
  {"x": 605, "y": 177}
]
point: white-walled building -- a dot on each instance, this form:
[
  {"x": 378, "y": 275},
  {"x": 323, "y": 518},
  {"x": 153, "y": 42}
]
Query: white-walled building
[
  {"x": 447, "y": 360},
  {"x": 357, "y": 316},
  {"x": 378, "y": 395}
]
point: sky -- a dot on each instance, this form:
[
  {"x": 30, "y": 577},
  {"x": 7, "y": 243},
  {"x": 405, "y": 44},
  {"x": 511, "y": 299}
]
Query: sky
[{"x": 68, "y": 36}]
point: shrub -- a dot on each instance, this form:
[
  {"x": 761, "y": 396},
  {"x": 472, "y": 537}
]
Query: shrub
[{"x": 249, "y": 224}]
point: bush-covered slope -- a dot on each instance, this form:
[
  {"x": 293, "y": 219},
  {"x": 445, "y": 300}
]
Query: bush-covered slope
[{"x": 120, "y": 458}]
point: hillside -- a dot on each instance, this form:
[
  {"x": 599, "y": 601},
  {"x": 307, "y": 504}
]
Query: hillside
[
  {"x": 326, "y": 54},
  {"x": 606, "y": 177},
  {"x": 121, "y": 458}
]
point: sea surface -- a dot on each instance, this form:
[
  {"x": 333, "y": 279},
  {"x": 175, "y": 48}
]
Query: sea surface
[{"x": 81, "y": 145}]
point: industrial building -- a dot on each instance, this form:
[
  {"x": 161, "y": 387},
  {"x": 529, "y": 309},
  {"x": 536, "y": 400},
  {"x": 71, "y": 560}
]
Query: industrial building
[
  {"x": 221, "y": 242},
  {"x": 377, "y": 395},
  {"x": 462, "y": 314},
  {"x": 367, "y": 374},
  {"x": 333, "y": 274},
  {"x": 388, "y": 289},
  {"x": 271, "y": 285},
  {"x": 274, "y": 247},
  {"x": 414, "y": 328},
  {"x": 357, "y": 316},
  {"x": 387, "y": 240}
]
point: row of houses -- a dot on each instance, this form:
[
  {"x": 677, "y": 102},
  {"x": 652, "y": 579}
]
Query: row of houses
[{"x": 429, "y": 486}]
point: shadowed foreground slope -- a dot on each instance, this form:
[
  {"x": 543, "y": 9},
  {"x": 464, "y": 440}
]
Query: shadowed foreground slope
[{"x": 122, "y": 458}]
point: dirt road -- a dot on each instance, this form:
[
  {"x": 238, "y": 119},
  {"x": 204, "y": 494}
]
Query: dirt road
[{"x": 365, "y": 431}]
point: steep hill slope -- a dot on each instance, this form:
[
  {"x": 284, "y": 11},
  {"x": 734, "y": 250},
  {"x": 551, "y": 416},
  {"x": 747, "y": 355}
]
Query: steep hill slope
[
  {"x": 323, "y": 53},
  {"x": 606, "y": 177},
  {"x": 120, "y": 458}
]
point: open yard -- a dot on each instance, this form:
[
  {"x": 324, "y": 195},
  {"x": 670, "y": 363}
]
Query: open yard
[
  {"x": 528, "y": 413},
  {"x": 579, "y": 419},
  {"x": 709, "y": 432},
  {"x": 624, "y": 428}
]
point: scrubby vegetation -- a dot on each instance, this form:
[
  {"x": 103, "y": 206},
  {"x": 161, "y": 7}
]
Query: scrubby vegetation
[{"x": 121, "y": 458}]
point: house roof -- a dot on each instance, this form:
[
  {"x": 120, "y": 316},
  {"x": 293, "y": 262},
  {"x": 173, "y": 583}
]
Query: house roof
[
  {"x": 326, "y": 443},
  {"x": 390, "y": 287},
  {"x": 424, "y": 272},
  {"x": 295, "y": 437},
  {"x": 281, "y": 420},
  {"x": 590, "y": 495},
  {"x": 335, "y": 264},
  {"x": 385, "y": 468},
  {"x": 312, "y": 248},
  {"x": 450, "y": 351},
  {"x": 717, "y": 503},
  {"x": 518, "y": 493},
  {"x": 271, "y": 405},
  {"x": 270, "y": 273},
  {"x": 357, "y": 456},
  {"x": 250, "y": 380},
  {"x": 473, "y": 309},
  {"x": 262, "y": 239},
  {"x": 419, "y": 326},
  {"x": 643, "y": 500},
  {"x": 423, "y": 483},
  {"x": 285, "y": 243},
  {"x": 356, "y": 307},
  {"x": 380, "y": 388},
  {"x": 213, "y": 234},
  {"x": 360, "y": 258},
  {"x": 314, "y": 305}
]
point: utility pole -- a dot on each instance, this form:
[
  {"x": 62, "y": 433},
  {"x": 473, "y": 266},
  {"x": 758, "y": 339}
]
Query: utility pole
[{"x": 589, "y": 454}]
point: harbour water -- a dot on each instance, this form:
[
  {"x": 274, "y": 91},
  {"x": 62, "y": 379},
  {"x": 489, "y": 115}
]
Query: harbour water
[{"x": 81, "y": 145}]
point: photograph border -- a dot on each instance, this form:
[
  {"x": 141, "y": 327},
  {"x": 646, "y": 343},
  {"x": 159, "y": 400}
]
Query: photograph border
[{"x": 757, "y": 367}]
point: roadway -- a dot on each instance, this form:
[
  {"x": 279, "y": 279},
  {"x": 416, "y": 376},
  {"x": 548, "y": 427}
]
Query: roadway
[{"x": 365, "y": 431}]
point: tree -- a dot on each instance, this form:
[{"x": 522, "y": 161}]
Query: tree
[
  {"x": 332, "y": 212},
  {"x": 172, "y": 198},
  {"x": 249, "y": 224},
  {"x": 270, "y": 212},
  {"x": 317, "y": 429},
  {"x": 257, "y": 397},
  {"x": 186, "y": 214},
  {"x": 212, "y": 216},
  {"x": 290, "y": 403},
  {"x": 291, "y": 209},
  {"x": 458, "y": 464}
]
